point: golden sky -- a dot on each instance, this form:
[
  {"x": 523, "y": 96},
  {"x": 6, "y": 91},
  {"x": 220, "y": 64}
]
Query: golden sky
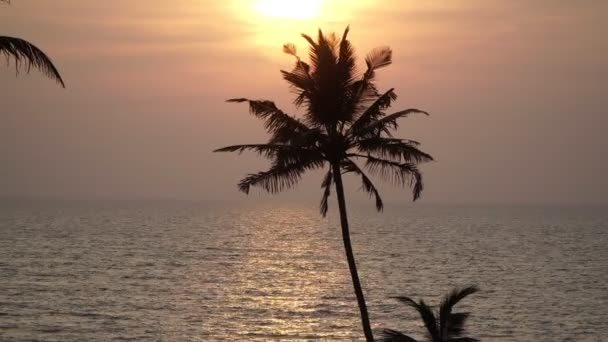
[{"x": 516, "y": 90}]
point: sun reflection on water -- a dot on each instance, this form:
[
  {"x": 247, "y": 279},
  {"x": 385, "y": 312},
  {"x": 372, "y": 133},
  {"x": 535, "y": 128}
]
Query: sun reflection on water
[{"x": 288, "y": 277}]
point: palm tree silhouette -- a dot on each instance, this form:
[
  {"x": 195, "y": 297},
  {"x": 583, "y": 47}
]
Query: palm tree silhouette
[
  {"x": 26, "y": 53},
  {"x": 345, "y": 122},
  {"x": 447, "y": 327}
]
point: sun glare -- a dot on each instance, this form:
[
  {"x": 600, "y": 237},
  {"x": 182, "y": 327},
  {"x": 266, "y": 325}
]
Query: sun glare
[
  {"x": 272, "y": 23},
  {"x": 293, "y": 9}
]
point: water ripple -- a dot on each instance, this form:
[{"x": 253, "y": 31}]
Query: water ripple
[{"x": 197, "y": 273}]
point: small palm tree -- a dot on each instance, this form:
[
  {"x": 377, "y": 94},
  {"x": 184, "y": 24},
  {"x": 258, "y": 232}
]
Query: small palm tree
[
  {"x": 444, "y": 326},
  {"x": 26, "y": 53},
  {"x": 345, "y": 122}
]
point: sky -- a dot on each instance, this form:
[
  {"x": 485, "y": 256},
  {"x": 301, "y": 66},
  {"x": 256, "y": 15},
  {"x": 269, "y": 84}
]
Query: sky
[{"x": 516, "y": 91}]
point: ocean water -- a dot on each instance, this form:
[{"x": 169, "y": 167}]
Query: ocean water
[{"x": 208, "y": 272}]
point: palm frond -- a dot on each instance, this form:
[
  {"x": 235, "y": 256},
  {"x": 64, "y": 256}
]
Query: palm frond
[
  {"x": 389, "y": 335},
  {"x": 280, "y": 176},
  {"x": 346, "y": 75},
  {"x": 379, "y": 57},
  {"x": 367, "y": 184},
  {"x": 263, "y": 149},
  {"x": 322, "y": 53},
  {"x": 426, "y": 313},
  {"x": 331, "y": 74},
  {"x": 360, "y": 95},
  {"x": 309, "y": 40},
  {"x": 290, "y": 49},
  {"x": 364, "y": 91},
  {"x": 448, "y": 320},
  {"x": 375, "y": 59},
  {"x": 282, "y": 155},
  {"x": 300, "y": 82},
  {"x": 375, "y": 127},
  {"x": 394, "y": 149},
  {"x": 456, "y": 296},
  {"x": 308, "y": 139},
  {"x": 28, "y": 55},
  {"x": 346, "y": 61},
  {"x": 326, "y": 185},
  {"x": 418, "y": 186},
  {"x": 375, "y": 110},
  {"x": 401, "y": 174},
  {"x": 294, "y": 155},
  {"x": 273, "y": 117},
  {"x": 455, "y": 324},
  {"x": 274, "y": 180},
  {"x": 299, "y": 79}
]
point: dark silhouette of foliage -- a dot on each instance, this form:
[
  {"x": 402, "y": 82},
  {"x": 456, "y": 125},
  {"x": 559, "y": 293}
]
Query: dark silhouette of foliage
[
  {"x": 28, "y": 55},
  {"x": 345, "y": 126},
  {"x": 441, "y": 326}
]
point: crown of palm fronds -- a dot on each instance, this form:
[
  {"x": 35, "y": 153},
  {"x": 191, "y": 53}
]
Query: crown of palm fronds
[
  {"x": 27, "y": 55},
  {"x": 345, "y": 124},
  {"x": 444, "y": 326}
]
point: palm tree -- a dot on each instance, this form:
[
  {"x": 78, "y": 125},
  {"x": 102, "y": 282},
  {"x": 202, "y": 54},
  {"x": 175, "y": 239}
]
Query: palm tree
[
  {"x": 344, "y": 123},
  {"x": 26, "y": 53},
  {"x": 447, "y": 327}
]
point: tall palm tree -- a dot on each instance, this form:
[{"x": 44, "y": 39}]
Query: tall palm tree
[
  {"x": 444, "y": 326},
  {"x": 345, "y": 123},
  {"x": 27, "y": 54}
]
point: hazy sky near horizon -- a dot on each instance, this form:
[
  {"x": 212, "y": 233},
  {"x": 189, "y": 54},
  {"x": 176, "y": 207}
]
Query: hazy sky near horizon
[{"x": 516, "y": 90}]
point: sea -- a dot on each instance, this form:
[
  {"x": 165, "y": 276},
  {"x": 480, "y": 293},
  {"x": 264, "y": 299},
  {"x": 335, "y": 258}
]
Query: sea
[{"x": 250, "y": 271}]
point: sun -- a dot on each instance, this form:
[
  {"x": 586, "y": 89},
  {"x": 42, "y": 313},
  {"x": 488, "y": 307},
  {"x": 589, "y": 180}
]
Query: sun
[{"x": 290, "y": 9}]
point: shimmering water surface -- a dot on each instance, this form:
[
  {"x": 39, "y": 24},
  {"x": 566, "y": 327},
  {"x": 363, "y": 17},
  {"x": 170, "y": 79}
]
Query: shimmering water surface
[{"x": 208, "y": 272}]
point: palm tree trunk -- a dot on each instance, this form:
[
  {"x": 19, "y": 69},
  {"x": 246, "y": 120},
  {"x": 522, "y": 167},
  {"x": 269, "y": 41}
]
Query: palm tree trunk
[{"x": 349, "y": 254}]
